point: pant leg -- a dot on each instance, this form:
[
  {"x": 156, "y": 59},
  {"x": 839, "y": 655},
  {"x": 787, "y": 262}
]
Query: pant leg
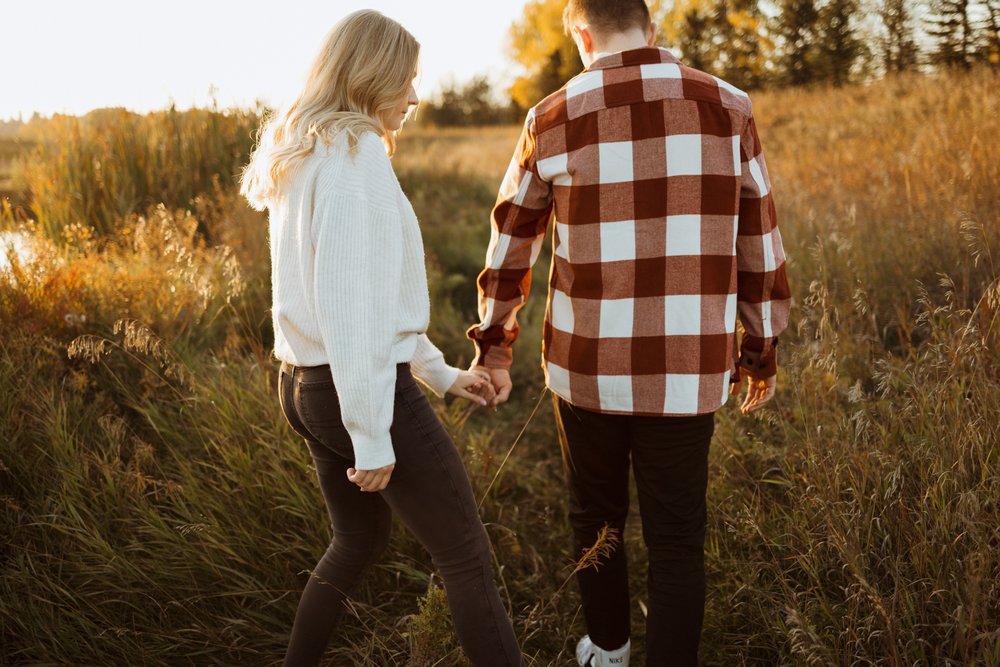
[
  {"x": 430, "y": 492},
  {"x": 670, "y": 460},
  {"x": 360, "y": 522},
  {"x": 595, "y": 449}
]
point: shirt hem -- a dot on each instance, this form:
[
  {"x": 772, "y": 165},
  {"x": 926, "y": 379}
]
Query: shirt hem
[{"x": 634, "y": 413}]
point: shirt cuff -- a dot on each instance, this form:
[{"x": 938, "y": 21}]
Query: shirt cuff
[
  {"x": 759, "y": 357},
  {"x": 493, "y": 356}
]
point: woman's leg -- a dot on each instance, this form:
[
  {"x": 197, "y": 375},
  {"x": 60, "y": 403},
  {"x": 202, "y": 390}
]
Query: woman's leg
[
  {"x": 430, "y": 492},
  {"x": 360, "y": 522}
]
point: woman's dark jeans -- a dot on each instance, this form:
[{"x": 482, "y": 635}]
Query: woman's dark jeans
[{"x": 430, "y": 492}]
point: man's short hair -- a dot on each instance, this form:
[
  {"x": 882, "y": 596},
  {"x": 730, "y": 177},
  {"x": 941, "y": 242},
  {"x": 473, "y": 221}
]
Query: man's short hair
[{"x": 606, "y": 17}]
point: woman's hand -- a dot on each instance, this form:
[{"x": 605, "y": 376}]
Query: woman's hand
[
  {"x": 473, "y": 386},
  {"x": 371, "y": 480}
]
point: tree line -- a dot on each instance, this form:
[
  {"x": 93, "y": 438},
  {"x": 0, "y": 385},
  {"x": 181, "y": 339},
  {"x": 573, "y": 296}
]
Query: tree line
[{"x": 750, "y": 43}]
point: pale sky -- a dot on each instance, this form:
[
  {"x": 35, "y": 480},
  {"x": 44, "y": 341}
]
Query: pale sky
[{"x": 72, "y": 56}]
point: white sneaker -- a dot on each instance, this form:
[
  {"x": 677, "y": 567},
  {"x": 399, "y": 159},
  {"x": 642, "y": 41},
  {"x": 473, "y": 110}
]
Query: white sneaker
[{"x": 589, "y": 655}]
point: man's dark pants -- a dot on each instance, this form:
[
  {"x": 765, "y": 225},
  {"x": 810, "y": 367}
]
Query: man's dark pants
[{"x": 670, "y": 459}]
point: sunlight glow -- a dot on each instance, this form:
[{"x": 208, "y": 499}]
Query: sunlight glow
[{"x": 68, "y": 56}]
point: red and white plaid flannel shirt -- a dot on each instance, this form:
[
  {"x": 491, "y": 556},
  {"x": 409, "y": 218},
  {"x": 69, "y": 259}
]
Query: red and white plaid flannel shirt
[{"x": 665, "y": 228}]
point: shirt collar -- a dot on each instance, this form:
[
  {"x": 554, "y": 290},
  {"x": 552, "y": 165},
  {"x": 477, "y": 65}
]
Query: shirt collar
[{"x": 646, "y": 55}]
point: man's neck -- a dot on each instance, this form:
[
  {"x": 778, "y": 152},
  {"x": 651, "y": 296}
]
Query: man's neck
[{"x": 625, "y": 41}]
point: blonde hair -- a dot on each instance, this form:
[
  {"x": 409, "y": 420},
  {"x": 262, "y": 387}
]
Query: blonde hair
[{"x": 363, "y": 70}]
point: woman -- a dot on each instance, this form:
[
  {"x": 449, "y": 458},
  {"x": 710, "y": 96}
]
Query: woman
[{"x": 350, "y": 308}]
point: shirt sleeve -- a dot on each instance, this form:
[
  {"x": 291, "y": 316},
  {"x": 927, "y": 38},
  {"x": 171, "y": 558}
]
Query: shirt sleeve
[
  {"x": 519, "y": 222},
  {"x": 430, "y": 368},
  {"x": 763, "y": 296},
  {"x": 358, "y": 264}
]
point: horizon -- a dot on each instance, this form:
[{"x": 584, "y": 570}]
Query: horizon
[{"x": 200, "y": 66}]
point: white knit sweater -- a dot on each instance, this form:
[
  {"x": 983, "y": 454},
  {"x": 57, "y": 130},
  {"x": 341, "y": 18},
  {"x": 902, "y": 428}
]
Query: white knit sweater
[{"x": 349, "y": 287}]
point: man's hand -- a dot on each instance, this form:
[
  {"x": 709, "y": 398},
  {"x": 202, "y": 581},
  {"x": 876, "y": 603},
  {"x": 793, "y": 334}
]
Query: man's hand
[
  {"x": 759, "y": 392},
  {"x": 371, "y": 480},
  {"x": 475, "y": 386},
  {"x": 501, "y": 382}
]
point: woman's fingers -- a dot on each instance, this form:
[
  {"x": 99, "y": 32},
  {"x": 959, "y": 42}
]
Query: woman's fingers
[
  {"x": 486, "y": 388},
  {"x": 380, "y": 481},
  {"x": 468, "y": 395},
  {"x": 370, "y": 480},
  {"x": 487, "y": 391},
  {"x": 475, "y": 386}
]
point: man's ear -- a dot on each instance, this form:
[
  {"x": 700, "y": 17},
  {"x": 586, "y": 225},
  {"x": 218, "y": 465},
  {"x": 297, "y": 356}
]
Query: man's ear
[
  {"x": 652, "y": 33},
  {"x": 585, "y": 41}
]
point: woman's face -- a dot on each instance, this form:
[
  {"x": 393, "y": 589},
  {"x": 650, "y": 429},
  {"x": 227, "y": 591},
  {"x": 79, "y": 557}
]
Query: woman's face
[{"x": 394, "y": 118}]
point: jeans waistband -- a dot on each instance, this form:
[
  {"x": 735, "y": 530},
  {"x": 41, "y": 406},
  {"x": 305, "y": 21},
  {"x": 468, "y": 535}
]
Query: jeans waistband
[{"x": 317, "y": 373}]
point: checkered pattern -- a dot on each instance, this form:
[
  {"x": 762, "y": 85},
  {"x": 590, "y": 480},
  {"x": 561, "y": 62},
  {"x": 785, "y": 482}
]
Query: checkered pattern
[{"x": 665, "y": 231}]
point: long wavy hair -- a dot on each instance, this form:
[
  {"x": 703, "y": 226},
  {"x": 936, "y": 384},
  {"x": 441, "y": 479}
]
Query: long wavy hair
[{"x": 363, "y": 70}]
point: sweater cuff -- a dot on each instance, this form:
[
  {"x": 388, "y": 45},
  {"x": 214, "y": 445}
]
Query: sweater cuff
[
  {"x": 759, "y": 357},
  {"x": 439, "y": 379},
  {"x": 371, "y": 453}
]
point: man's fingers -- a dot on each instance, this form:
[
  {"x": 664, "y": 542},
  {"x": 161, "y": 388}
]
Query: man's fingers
[
  {"x": 759, "y": 392},
  {"x": 753, "y": 391},
  {"x": 762, "y": 399},
  {"x": 502, "y": 395}
]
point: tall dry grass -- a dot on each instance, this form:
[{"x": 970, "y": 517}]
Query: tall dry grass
[
  {"x": 159, "y": 511},
  {"x": 111, "y": 163}
]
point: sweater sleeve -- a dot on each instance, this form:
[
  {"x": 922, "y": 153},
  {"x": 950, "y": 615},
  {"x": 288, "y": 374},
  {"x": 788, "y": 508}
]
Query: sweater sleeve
[
  {"x": 429, "y": 367},
  {"x": 358, "y": 259}
]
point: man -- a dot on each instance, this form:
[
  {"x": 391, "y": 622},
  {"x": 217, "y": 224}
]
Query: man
[{"x": 665, "y": 229}]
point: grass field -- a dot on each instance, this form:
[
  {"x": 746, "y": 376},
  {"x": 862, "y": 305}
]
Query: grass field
[{"x": 157, "y": 510}]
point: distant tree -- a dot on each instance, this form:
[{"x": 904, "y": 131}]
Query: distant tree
[
  {"x": 546, "y": 54},
  {"x": 898, "y": 44},
  {"x": 952, "y": 27},
  {"x": 839, "y": 45},
  {"x": 727, "y": 38},
  {"x": 991, "y": 32},
  {"x": 796, "y": 29},
  {"x": 689, "y": 27},
  {"x": 743, "y": 46},
  {"x": 470, "y": 104}
]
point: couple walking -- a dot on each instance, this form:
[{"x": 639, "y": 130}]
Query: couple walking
[{"x": 665, "y": 233}]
